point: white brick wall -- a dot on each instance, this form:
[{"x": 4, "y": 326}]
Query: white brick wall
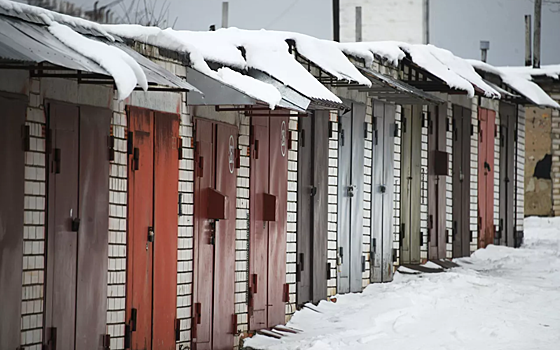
[
  {"x": 185, "y": 227},
  {"x": 242, "y": 232},
  {"x": 497, "y": 171},
  {"x": 333, "y": 205},
  {"x": 424, "y": 188},
  {"x": 291, "y": 239},
  {"x": 368, "y": 155},
  {"x": 34, "y": 224},
  {"x": 474, "y": 177},
  {"x": 116, "y": 278},
  {"x": 520, "y": 169},
  {"x": 397, "y": 188},
  {"x": 449, "y": 185}
]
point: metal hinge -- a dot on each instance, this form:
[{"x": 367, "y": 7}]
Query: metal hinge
[
  {"x": 111, "y": 146},
  {"x": 127, "y": 336},
  {"x": 342, "y": 137},
  {"x": 328, "y": 271},
  {"x": 365, "y": 130},
  {"x": 363, "y": 263},
  {"x": 374, "y": 245},
  {"x": 57, "y": 156},
  {"x": 136, "y": 159},
  {"x": 302, "y": 137},
  {"x": 130, "y": 143},
  {"x": 106, "y": 341},
  {"x": 396, "y": 131},
  {"x": 403, "y": 124},
  {"x": 330, "y": 129},
  {"x": 421, "y": 239},
  {"x": 286, "y": 296},
  {"x": 177, "y": 330},
  {"x": 26, "y": 137},
  {"x": 180, "y": 147}
]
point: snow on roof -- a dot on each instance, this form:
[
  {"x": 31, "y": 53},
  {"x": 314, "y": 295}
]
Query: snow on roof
[
  {"x": 123, "y": 68},
  {"x": 552, "y": 71},
  {"x": 46, "y": 16},
  {"x": 454, "y": 71},
  {"x": 388, "y": 50},
  {"x": 520, "y": 79},
  {"x": 251, "y": 86}
]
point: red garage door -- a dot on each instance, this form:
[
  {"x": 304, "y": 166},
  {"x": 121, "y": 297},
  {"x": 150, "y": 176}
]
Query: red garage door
[
  {"x": 152, "y": 229},
  {"x": 214, "y": 319},
  {"x": 268, "y": 215},
  {"x": 487, "y": 120}
]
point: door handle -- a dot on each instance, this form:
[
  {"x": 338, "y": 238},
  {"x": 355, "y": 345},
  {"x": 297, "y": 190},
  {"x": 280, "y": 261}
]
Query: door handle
[{"x": 151, "y": 234}]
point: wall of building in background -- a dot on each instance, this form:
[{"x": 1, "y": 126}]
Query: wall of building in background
[
  {"x": 401, "y": 20},
  {"x": 538, "y": 150}
]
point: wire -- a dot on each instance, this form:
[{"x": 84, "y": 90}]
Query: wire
[{"x": 282, "y": 14}]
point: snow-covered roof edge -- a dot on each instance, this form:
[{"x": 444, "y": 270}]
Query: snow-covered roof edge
[{"x": 520, "y": 79}]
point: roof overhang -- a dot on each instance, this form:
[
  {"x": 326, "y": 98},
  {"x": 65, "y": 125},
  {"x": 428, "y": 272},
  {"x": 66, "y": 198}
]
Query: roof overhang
[
  {"x": 388, "y": 89},
  {"x": 30, "y": 46}
]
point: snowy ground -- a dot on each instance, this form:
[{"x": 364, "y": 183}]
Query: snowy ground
[{"x": 500, "y": 298}]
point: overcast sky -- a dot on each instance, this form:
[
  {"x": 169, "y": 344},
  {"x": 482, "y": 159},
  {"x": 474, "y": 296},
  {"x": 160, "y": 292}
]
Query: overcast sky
[{"x": 457, "y": 25}]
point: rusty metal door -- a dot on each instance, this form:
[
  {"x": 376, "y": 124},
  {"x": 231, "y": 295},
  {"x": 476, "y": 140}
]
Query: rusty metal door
[
  {"x": 382, "y": 192},
  {"x": 320, "y": 205},
  {"x": 262, "y": 210},
  {"x": 166, "y": 194},
  {"x": 225, "y": 320},
  {"x": 11, "y": 218},
  {"x": 62, "y": 236},
  {"x": 411, "y": 137},
  {"x": 278, "y": 188},
  {"x": 311, "y": 260},
  {"x": 306, "y": 190},
  {"x": 486, "y": 120},
  {"x": 152, "y": 229},
  {"x": 438, "y": 170},
  {"x": 508, "y": 132},
  {"x": 91, "y": 293},
  {"x": 351, "y": 144},
  {"x": 140, "y": 228},
  {"x": 203, "y": 236},
  {"x": 461, "y": 181},
  {"x": 78, "y": 216}
]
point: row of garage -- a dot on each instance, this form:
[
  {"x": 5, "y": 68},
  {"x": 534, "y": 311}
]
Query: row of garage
[{"x": 193, "y": 214}]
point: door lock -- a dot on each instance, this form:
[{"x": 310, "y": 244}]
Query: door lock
[
  {"x": 151, "y": 234},
  {"x": 351, "y": 190},
  {"x": 382, "y": 188}
]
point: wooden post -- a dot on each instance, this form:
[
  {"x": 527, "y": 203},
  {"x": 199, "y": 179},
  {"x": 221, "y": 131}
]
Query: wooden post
[
  {"x": 528, "y": 53},
  {"x": 537, "y": 35},
  {"x": 358, "y": 23}
]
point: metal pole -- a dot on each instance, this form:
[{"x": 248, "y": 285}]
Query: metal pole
[
  {"x": 484, "y": 47},
  {"x": 225, "y": 13},
  {"x": 537, "y": 35},
  {"x": 336, "y": 20},
  {"x": 426, "y": 21},
  {"x": 358, "y": 23},
  {"x": 528, "y": 53}
]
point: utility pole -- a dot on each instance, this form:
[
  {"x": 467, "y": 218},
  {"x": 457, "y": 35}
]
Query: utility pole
[
  {"x": 358, "y": 23},
  {"x": 528, "y": 53},
  {"x": 537, "y": 35},
  {"x": 336, "y": 20},
  {"x": 225, "y": 14}
]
